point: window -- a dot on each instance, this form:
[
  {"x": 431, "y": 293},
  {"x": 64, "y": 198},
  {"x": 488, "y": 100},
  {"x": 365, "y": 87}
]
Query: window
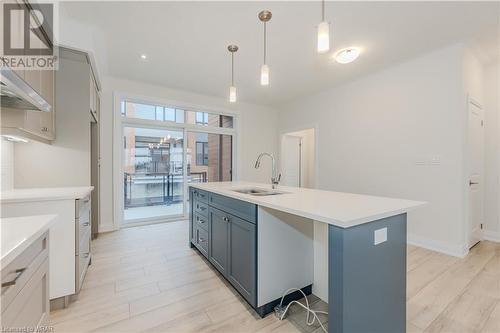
[
  {"x": 171, "y": 114},
  {"x": 201, "y": 153},
  {"x": 159, "y": 158}
]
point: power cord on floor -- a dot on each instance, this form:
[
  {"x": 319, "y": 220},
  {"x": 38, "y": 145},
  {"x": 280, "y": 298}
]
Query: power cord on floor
[{"x": 280, "y": 312}]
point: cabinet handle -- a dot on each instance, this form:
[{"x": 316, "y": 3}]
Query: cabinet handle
[
  {"x": 12, "y": 282},
  {"x": 44, "y": 129},
  {"x": 226, "y": 218},
  {"x": 201, "y": 240},
  {"x": 86, "y": 255},
  {"x": 86, "y": 224},
  {"x": 200, "y": 220}
]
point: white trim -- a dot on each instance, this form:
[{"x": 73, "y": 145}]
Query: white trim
[
  {"x": 492, "y": 236},
  {"x": 299, "y": 128},
  {"x": 438, "y": 246},
  {"x": 466, "y": 232},
  {"x": 119, "y": 122}
]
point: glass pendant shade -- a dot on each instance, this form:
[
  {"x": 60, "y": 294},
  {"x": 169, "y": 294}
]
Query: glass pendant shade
[
  {"x": 232, "y": 94},
  {"x": 264, "y": 75},
  {"x": 323, "y": 37}
]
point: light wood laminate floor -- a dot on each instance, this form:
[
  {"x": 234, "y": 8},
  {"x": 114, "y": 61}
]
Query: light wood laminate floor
[{"x": 147, "y": 279}]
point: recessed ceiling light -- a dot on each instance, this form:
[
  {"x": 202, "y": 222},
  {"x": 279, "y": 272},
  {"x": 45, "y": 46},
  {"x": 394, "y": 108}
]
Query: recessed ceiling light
[
  {"x": 346, "y": 55},
  {"x": 143, "y": 56}
]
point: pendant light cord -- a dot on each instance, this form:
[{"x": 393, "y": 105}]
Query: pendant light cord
[
  {"x": 232, "y": 69},
  {"x": 323, "y": 11},
  {"x": 265, "y": 42}
]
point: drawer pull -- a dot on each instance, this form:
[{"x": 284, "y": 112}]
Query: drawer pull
[
  {"x": 201, "y": 207},
  {"x": 201, "y": 240},
  {"x": 226, "y": 218},
  {"x": 86, "y": 224},
  {"x": 86, "y": 255},
  {"x": 199, "y": 220},
  {"x": 19, "y": 272}
]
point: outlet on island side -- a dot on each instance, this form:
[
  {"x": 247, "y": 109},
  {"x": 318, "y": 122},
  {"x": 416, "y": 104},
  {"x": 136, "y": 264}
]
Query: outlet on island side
[{"x": 379, "y": 236}]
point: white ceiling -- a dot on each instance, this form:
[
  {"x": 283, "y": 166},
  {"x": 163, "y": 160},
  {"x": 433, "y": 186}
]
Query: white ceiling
[{"x": 186, "y": 42}]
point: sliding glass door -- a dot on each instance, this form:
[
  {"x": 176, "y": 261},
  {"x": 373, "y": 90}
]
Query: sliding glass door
[
  {"x": 153, "y": 174},
  {"x": 164, "y": 148}
]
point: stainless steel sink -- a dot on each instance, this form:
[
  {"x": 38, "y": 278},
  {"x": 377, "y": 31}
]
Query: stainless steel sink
[{"x": 258, "y": 191}]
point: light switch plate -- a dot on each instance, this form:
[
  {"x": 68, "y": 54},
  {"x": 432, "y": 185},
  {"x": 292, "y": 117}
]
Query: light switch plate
[{"x": 379, "y": 236}]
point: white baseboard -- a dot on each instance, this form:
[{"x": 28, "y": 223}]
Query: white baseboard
[
  {"x": 438, "y": 246},
  {"x": 493, "y": 236}
]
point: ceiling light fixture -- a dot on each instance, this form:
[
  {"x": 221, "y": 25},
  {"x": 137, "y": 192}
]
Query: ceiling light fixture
[
  {"x": 347, "y": 55},
  {"x": 232, "y": 89},
  {"x": 323, "y": 32},
  {"x": 143, "y": 56},
  {"x": 265, "y": 16}
]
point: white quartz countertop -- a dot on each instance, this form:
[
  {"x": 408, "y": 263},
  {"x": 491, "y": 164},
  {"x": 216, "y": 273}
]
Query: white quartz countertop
[
  {"x": 18, "y": 233},
  {"x": 45, "y": 194},
  {"x": 337, "y": 208}
]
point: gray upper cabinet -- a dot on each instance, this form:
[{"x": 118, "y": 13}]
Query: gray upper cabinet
[
  {"x": 218, "y": 226},
  {"x": 35, "y": 125}
]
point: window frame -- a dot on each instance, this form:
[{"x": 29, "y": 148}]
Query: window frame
[{"x": 120, "y": 121}]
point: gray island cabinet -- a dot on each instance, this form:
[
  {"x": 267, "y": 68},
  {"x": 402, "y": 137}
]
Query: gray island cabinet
[
  {"x": 265, "y": 245},
  {"x": 224, "y": 231}
]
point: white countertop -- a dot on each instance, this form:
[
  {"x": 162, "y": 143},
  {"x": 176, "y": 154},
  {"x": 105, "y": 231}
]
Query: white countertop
[
  {"x": 44, "y": 194},
  {"x": 18, "y": 233},
  {"x": 337, "y": 208}
]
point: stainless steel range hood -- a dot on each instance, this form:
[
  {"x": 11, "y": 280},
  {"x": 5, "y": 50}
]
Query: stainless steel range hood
[{"x": 17, "y": 94}]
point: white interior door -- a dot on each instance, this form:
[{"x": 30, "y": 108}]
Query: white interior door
[
  {"x": 476, "y": 167},
  {"x": 291, "y": 160}
]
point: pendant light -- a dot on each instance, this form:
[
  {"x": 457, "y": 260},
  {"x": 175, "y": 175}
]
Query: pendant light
[
  {"x": 265, "y": 16},
  {"x": 232, "y": 89},
  {"x": 323, "y": 32}
]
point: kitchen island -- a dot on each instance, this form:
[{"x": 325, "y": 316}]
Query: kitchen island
[{"x": 261, "y": 240}]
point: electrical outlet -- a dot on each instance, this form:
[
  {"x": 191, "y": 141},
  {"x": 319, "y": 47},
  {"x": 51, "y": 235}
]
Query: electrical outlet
[{"x": 379, "y": 236}]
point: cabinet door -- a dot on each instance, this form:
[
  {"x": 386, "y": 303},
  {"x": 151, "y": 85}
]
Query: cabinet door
[
  {"x": 30, "y": 308},
  {"x": 242, "y": 267},
  {"x": 218, "y": 232},
  {"x": 33, "y": 122}
]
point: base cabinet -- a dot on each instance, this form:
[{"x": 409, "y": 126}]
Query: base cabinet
[
  {"x": 25, "y": 289},
  {"x": 242, "y": 258},
  {"x": 232, "y": 240},
  {"x": 218, "y": 246}
]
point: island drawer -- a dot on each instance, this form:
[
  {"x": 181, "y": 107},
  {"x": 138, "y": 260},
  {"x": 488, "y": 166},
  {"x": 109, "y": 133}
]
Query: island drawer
[
  {"x": 241, "y": 209},
  {"x": 17, "y": 273},
  {"x": 201, "y": 240},
  {"x": 200, "y": 195},
  {"x": 200, "y": 208},
  {"x": 201, "y": 221}
]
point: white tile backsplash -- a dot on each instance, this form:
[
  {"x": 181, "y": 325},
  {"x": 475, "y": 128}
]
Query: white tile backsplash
[{"x": 6, "y": 165}]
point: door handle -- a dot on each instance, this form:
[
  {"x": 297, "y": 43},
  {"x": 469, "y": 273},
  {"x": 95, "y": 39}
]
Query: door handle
[
  {"x": 12, "y": 282},
  {"x": 472, "y": 183}
]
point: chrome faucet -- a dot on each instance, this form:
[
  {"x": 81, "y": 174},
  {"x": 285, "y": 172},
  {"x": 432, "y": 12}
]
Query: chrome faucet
[{"x": 275, "y": 177}]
